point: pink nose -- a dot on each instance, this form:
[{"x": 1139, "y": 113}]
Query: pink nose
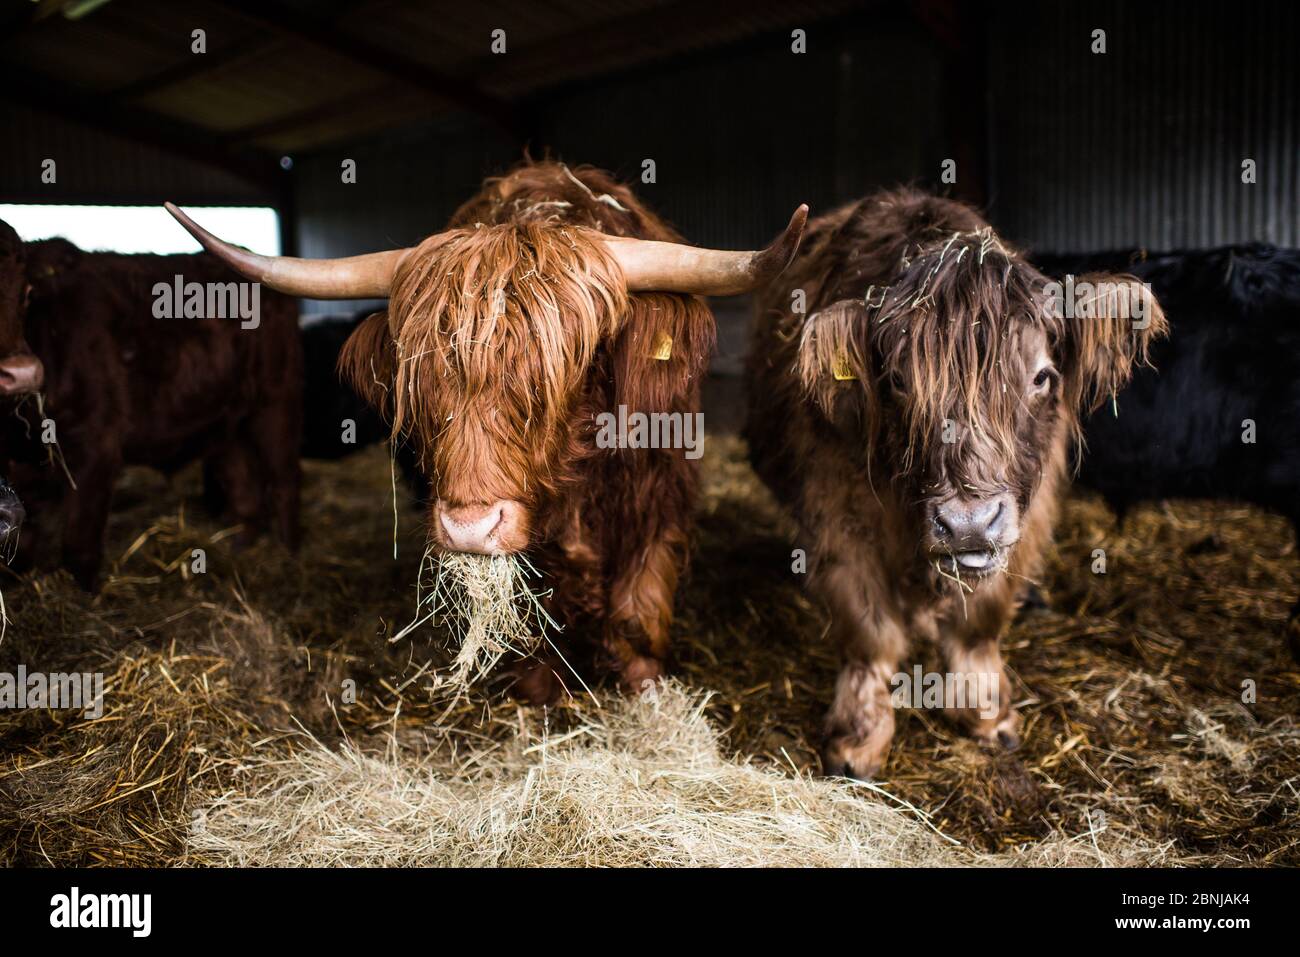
[
  {"x": 20, "y": 374},
  {"x": 485, "y": 529}
]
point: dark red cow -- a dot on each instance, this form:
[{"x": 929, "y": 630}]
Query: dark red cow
[{"x": 126, "y": 387}]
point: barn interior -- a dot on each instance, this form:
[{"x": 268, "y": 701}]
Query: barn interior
[{"x": 258, "y": 712}]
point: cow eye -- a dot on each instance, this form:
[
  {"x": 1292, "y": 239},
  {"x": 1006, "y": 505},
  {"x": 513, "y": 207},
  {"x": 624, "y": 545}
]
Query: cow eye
[{"x": 1045, "y": 379}]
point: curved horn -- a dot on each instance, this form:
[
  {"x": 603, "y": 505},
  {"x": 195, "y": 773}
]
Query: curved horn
[
  {"x": 673, "y": 267},
  {"x": 355, "y": 277}
]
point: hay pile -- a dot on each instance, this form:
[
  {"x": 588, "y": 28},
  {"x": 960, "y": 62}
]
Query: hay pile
[
  {"x": 260, "y": 713},
  {"x": 117, "y": 789},
  {"x": 1115, "y": 681},
  {"x": 642, "y": 783}
]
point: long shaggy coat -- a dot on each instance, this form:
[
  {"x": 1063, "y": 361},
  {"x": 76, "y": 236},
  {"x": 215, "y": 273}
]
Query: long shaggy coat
[
  {"x": 506, "y": 336},
  {"x": 908, "y": 356}
]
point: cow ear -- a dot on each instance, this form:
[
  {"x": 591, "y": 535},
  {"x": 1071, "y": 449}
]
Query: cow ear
[
  {"x": 661, "y": 353},
  {"x": 368, "y": 361},
  {"x": 834, "y": 355},
  {"x": 1115, "y": 320}
]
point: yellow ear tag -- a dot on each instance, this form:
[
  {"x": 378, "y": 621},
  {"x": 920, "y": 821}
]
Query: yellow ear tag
[
  {"x": 840, "y": 368},
  {"x": 663, "y": 347}
]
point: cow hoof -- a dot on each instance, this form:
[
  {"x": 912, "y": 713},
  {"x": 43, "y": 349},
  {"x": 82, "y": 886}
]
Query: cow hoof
[
  {"x": 1005, "y": 734},
  {"x": 536, "y": 683},
  {"x": 849, "y": 757},
  {"x": 639, "y": 674}
]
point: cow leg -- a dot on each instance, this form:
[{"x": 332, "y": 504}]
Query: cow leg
[
  {"x": 636, "y": 635},
  {"x": 234, "y": 479},
  {"x": 538, "y": 679},
  {"x": 85, "y": 514},
  {"x": 276, "y": 434},
  {"x": 860, "y": 723},
  {"x": 970, "y": 649},
  {"x": 214, "y": 492}
]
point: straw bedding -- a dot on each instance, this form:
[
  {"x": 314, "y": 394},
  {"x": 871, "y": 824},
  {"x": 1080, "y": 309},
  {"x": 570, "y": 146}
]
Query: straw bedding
[{"x": 259, "y": 713}]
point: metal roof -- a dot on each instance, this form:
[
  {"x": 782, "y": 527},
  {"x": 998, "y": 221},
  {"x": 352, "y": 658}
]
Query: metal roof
[{"x": 286, "y": 76}]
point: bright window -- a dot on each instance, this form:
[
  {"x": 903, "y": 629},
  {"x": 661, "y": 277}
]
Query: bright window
[{"x": 145, "y": 229}]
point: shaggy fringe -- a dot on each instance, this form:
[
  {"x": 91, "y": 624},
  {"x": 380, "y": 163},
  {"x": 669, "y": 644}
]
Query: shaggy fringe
[
  {"x": 947, "y": 333},
  {"x": 531, "y": 298}
]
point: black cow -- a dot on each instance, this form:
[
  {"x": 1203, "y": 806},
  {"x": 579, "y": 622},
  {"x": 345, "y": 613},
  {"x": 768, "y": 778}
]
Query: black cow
[
  {"x": 327, "y": 402},
  {"x": 1228, "y": 373}
]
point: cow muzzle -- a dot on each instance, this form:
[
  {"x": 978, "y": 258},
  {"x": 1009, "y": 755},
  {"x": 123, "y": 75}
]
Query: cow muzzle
[
  {"x": 496, "y": 529},
  {"x": 21, "y": 374},
  {"x": 972, "y": 536}
]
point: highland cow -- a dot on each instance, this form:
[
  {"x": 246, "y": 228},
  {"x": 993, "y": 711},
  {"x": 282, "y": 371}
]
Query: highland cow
[
  {"x": 1220, "y": 418},
  {"x": 917, "y": 418},
  {"x": 20, "y": 371},
  {"x": 125, "y": 387},
  {"x": 552, "y": 297},
  {"x": 1233, "y": 357}
]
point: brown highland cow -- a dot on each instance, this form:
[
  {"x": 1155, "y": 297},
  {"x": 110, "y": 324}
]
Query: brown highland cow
[
  {"x": 917, "y": 416},
  {"x": 552, "y": 297}
]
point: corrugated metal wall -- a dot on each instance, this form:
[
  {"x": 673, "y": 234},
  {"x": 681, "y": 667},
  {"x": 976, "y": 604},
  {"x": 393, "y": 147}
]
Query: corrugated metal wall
[
  {"x": 752, "y": 134},
  {"x": 406, "y": 186},
  {"x": 1143, "y": 146},
  {"x": 96, "y": 167},
  {"x": 738, "y": 139}
]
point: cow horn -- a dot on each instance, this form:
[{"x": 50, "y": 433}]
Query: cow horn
[
  {"x": 355, "y": 277},
  {"x": 673, "y": 267}
]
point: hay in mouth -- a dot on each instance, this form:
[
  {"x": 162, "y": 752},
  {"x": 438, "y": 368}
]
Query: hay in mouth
[{"x": 489, "y": 603}]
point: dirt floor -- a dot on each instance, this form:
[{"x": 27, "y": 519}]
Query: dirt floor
[{"x": 1138, "y": 747}]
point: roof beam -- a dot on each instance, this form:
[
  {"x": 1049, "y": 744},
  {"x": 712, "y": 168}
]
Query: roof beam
[
  {"x": 313, "y": 114},
  {"x": 639, "y": 37},
  {"x": 323, "y": 34},
  {"x": 188, "y": 69},
  {"x": 192, "y": 67},
  {"x": 161, "y": 132}
]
